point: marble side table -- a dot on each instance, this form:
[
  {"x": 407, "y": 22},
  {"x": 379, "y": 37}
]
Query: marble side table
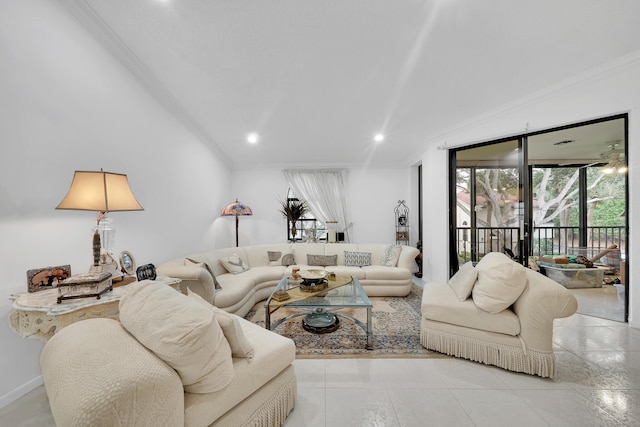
[{"x": 38, "y": 315}]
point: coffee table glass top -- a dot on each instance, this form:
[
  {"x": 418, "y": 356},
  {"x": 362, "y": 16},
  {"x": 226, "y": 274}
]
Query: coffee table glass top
[{"x": 349, "y": 295}]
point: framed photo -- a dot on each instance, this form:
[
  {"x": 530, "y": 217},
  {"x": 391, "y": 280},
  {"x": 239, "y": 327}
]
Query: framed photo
[
  {"x": 39, "y": 279},
  {"x": 402, "y": 235},
  {"x": 127, "y": 263}
]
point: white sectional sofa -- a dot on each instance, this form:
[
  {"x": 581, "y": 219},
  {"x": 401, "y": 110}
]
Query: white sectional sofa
[
  {"x": 498, "y": 313},
  {"x": 389, "y": 273},
  {"x": 171, "y": 360}
]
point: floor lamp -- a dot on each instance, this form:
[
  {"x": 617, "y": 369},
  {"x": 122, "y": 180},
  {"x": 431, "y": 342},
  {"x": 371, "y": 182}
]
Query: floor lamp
[{"x": 237, "y": 209}]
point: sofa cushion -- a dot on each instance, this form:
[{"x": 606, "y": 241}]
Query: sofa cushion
[
  {"x": 273, "y": 354},
  {"x": 240, "y": 346},
  {"x": 357, "y": 259},
  {"x": 322, "y": 260},
  {"x": 500, "y": 282},
  {"x": 234, "y": 264},
  {"x": 206, "y": 266},
  {"x": 281, "y": 258},
  {"x": 440, "y": 303},
  {"x": 179, "y": 331},
  {"x": 391, "y": 256},
  {"x": 462, "y": 282}
]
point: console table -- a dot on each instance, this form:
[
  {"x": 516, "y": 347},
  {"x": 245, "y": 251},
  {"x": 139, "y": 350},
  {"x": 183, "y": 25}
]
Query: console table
[{"x": 38, "y": 315}]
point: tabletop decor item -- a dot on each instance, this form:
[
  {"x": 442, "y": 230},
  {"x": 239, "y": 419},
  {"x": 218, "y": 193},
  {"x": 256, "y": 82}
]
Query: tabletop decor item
[
  {"x": 146, "y": 272},
  {"x": 313, "y": 280},
  {"x": 293, "y": 210},
  {"x": 84, "y": 285},
  {"x": 39, "y": 279},
  {"x": 127, "y": 263}
]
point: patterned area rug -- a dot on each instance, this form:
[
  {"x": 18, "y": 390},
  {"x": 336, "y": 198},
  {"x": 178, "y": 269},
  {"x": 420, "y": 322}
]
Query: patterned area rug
[{"x": 396, "y": 331}]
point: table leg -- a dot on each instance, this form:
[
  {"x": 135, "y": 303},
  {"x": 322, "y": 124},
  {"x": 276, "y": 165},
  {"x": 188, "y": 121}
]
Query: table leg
[
  {"x": 267, "y": 317},
  {"x": 369, "y": 331}
]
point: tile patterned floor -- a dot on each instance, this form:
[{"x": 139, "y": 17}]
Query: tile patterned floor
[{"x": 597, "y": 383}]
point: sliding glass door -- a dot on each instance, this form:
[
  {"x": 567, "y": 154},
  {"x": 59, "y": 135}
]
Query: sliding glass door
[
  {"x": 489, "y": 204},
  {"x": 557, "y": 192}
]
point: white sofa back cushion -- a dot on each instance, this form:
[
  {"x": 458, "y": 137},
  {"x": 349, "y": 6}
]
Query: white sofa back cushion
[
  {"x": 500, "y": 283},
  {"x": 180, "y": 331}
]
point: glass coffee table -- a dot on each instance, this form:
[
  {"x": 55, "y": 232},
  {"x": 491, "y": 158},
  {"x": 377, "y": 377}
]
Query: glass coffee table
[{"x": 320, "y": 308}]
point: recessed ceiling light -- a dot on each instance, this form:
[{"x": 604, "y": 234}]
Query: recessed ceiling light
[
  {"x": 252, "y": 138},
  {"x": 378, "y": 137}
]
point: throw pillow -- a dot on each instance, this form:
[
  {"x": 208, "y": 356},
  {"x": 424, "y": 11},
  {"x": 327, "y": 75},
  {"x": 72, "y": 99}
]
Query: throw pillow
[
  {"x": 240, "y": 346},
  {"x": 202, "y": 264},
  {"x": 234, "y": 264},
  {"x": 357, "y": 259},
  {"x": 179, "y": 331},
  {"x": 462, "y": 282},
  {"x": 500, "y": 283},
  {"x": 279, "y": 258},
  {"x": 391, "y": 255},
  {"x": 322, "y": 260}
]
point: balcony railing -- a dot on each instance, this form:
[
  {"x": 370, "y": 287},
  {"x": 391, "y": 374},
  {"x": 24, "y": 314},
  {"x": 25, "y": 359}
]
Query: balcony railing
[{"x": 545, "y": 241}]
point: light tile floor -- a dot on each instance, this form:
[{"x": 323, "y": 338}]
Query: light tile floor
[{"x": 597, "y": 383}]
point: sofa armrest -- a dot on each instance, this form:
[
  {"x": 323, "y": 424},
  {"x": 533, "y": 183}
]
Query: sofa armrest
[
  {"x": 408, "y": 258},
  {"x": 198, "y": 279},
  {"x": 542, "y": 301},
  {"x": 97, "y": 374}
]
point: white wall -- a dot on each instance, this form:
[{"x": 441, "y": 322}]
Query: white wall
[
  {"x": 66, "y": 104},
  {"x": 612, "y": 89},
  {"x": 371, "y": 194}
]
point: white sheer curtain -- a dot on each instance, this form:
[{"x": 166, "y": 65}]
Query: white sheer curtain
[{"x": 323, "y": 191}]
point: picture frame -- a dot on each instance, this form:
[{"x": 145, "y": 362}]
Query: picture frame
[
  {"x": 40, "y": 279},
  {"x": 127, "y": 263},
  {"x": 147, "y": 271}
]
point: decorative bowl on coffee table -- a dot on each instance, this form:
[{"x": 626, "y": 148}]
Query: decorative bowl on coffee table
[{"x": 313, "y": 280}]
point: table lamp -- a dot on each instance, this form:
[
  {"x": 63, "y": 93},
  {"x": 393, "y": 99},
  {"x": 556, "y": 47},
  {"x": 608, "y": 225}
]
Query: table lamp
[
  {"x": 102, "y": 192},
  {"x": 237, "y": 209}
]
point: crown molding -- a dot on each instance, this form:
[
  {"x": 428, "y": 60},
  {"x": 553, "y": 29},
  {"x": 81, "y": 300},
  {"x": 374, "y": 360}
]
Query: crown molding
[{"x": 548, "y": 92}]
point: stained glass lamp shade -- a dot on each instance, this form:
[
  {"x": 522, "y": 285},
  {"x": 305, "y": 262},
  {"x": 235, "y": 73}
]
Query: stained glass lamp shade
[{"x": 237, "y": 209}]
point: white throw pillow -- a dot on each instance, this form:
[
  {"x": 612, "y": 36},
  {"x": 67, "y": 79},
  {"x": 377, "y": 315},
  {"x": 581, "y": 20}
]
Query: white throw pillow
[
  {"x": 240, "y": 346},
  {"x": 205, "y": 265},
  {"x": 234, "y": 264},
  {"x": 391, "y": 256},
  {"x": 277, "y": 258},
  {"x": 180, "y": 331},
  {"x": 462, "y": 282},
  {"x": 500, "y": 282}
]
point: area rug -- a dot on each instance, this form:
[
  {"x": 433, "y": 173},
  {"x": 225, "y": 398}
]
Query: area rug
[{"x": 396, "y": 331}]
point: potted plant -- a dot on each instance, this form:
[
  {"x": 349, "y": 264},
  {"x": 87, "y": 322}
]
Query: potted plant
[{"x": 293, "y": 210}]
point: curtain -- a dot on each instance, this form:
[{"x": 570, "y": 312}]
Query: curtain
[{"x": 323, "y": 191}]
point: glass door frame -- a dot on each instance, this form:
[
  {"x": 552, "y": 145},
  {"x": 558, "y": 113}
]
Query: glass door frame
[{"x": 526, "y": 196}]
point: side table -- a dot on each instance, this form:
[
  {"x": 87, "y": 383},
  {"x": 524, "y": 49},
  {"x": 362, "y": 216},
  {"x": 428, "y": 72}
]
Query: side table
[{"x": 38, "y": 315}]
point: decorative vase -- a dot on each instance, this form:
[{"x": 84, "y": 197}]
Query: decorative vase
[{"x": 293, "y": 231}]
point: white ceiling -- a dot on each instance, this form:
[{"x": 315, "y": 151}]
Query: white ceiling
[{"x": 317, "y": 79}]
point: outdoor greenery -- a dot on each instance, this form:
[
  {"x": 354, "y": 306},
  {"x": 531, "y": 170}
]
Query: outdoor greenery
[{"x": 555, "y": 196}]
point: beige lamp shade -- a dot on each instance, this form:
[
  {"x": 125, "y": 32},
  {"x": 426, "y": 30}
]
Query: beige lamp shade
[{"x": 100, "y": 191}]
